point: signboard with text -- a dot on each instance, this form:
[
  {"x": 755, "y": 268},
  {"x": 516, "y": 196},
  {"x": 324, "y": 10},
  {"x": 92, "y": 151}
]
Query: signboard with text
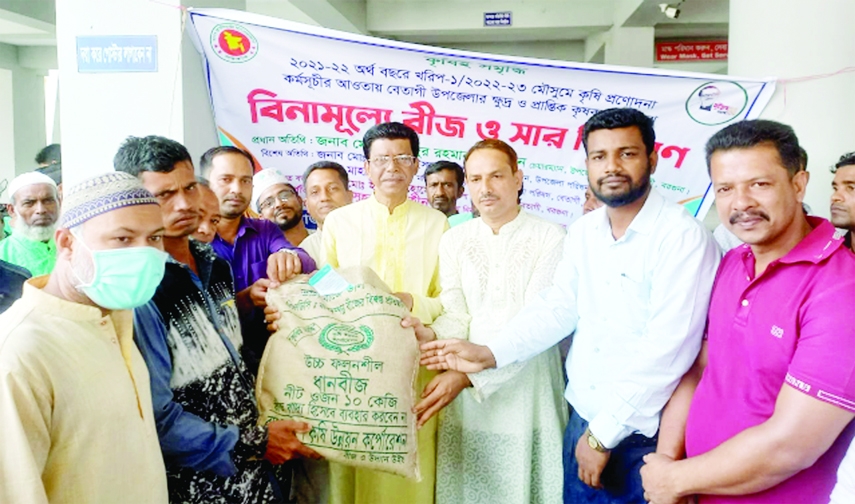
[
  {"x": 293, "y": 94},
  {"x": 497, "y": 19},
  {"x": 706, "y": 50},
  {"x": 117, "y": 53}
]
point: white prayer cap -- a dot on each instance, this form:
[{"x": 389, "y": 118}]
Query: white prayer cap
[
  {"x": 262, "y": 181},
  {"x": 101, "y": 194},
  {"x": 28, "y": 179}
]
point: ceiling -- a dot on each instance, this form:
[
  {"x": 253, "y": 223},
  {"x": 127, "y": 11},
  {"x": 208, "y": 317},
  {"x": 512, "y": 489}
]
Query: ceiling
[{"x": 32, "y": 22}]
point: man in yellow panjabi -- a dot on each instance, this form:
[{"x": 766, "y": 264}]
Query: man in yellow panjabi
[
  {"x": 76, "y": 418},
  {"x": 398, "y": 239}
]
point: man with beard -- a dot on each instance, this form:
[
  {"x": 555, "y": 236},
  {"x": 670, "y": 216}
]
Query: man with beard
[
  {"x": 248, "y": 244},
  {"x": 190, "y": 338},
  {"x": 277, "y": 201},
  {"x": 75, "y": 401},
  {"x": 765, "y": 414},
  {"x": 444, "y": 185},
  {"x": 35, "y": 210},
  {"x": 634, "y": 284},
  {"x": 843, "y": 197}
]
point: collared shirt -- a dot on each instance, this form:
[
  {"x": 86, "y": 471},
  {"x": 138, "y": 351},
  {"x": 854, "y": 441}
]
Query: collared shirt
[
  {"x": 725, "y": 238},
  {"x": 12, "y": 280},
  {"x": 793, "y": 324},
  {"x": 36, "y": 257},
  {"x": 637, "y": 305},
  {"x": 402, "y": 247},
  {"x": 76, "y": 422},
  {"x": 256, "y": 239},
  {"x": 204, "y": 400}
]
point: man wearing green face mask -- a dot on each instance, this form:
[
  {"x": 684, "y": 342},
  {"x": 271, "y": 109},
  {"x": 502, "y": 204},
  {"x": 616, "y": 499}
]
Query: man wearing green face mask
[{"x": 75, "y": 401}]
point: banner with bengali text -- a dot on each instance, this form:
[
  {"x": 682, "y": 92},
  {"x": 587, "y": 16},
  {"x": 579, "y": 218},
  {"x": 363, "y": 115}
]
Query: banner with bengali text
[{"x": 293, "y": 94}]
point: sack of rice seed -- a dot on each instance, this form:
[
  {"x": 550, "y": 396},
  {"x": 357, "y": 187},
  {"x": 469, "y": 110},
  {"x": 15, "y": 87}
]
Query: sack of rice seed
[{"x": 343, "y": 364}]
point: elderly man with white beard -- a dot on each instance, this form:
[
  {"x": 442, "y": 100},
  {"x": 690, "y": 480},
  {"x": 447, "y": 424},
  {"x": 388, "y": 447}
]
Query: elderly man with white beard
[{"x": 35, "y": 209}]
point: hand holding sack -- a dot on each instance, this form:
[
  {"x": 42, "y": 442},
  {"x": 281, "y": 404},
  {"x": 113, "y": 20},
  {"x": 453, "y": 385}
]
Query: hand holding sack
[{"x": 343, "y": 364}]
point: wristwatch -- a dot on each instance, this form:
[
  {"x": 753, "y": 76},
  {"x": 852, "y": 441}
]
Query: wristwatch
[{"x": 595, "y": 443}]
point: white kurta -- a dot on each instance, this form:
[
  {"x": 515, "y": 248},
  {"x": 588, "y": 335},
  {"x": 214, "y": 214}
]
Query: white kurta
[{"x": 500, "y": 441}]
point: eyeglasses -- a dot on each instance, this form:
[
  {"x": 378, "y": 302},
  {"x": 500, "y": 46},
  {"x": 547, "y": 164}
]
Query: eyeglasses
[
  {"x": 404, "y": 160},
  {"x": 283, "y": 196}
]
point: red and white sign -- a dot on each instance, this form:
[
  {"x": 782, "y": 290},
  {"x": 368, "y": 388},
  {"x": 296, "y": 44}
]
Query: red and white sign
[{"x": 703, "y": 50}]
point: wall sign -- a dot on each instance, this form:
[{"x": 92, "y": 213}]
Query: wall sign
[
  {"x": 117, "y": 53},
  {"x": 703, "y": 50},
  {"x": 497, "y": 18}
]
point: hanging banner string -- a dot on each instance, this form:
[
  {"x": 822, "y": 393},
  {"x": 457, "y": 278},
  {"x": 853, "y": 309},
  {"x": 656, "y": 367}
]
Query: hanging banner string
[{"x": 808, "y": 78}]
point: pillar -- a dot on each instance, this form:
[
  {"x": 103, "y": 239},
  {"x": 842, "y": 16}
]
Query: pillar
[
  {"x": 99, "y": 110},
  {"x": 629, "y": 47}
]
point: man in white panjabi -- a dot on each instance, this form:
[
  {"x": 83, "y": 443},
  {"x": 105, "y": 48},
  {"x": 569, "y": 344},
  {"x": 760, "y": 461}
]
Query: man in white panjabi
[{"x": 500, "y": 441}]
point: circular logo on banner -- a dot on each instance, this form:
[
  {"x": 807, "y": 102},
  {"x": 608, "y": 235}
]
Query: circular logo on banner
[
  {"x": 233, "y": 43},
  {"x": 716, "y": 102}
]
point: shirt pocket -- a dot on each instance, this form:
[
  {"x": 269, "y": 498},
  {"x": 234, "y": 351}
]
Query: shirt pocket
[
  {"x": 633, "y": 298},
  {"x": 257, "y": 270}
]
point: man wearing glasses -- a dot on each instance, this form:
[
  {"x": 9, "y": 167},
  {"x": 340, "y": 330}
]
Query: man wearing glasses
[
  {"x": 398, "y": 239},
  {"x": 277, "y": 201}
]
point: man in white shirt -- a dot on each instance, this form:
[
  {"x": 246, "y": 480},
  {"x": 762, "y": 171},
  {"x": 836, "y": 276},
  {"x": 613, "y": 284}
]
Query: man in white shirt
[{"x": 634, "y": 284}]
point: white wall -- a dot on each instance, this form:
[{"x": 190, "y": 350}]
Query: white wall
[
  {"x": 798, "y": 42},
  {"x": 99, "y": 110},
  {"x": 282, "y": 9}
]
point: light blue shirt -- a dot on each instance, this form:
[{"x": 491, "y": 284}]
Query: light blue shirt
[{"x": 638, "y": 306}]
